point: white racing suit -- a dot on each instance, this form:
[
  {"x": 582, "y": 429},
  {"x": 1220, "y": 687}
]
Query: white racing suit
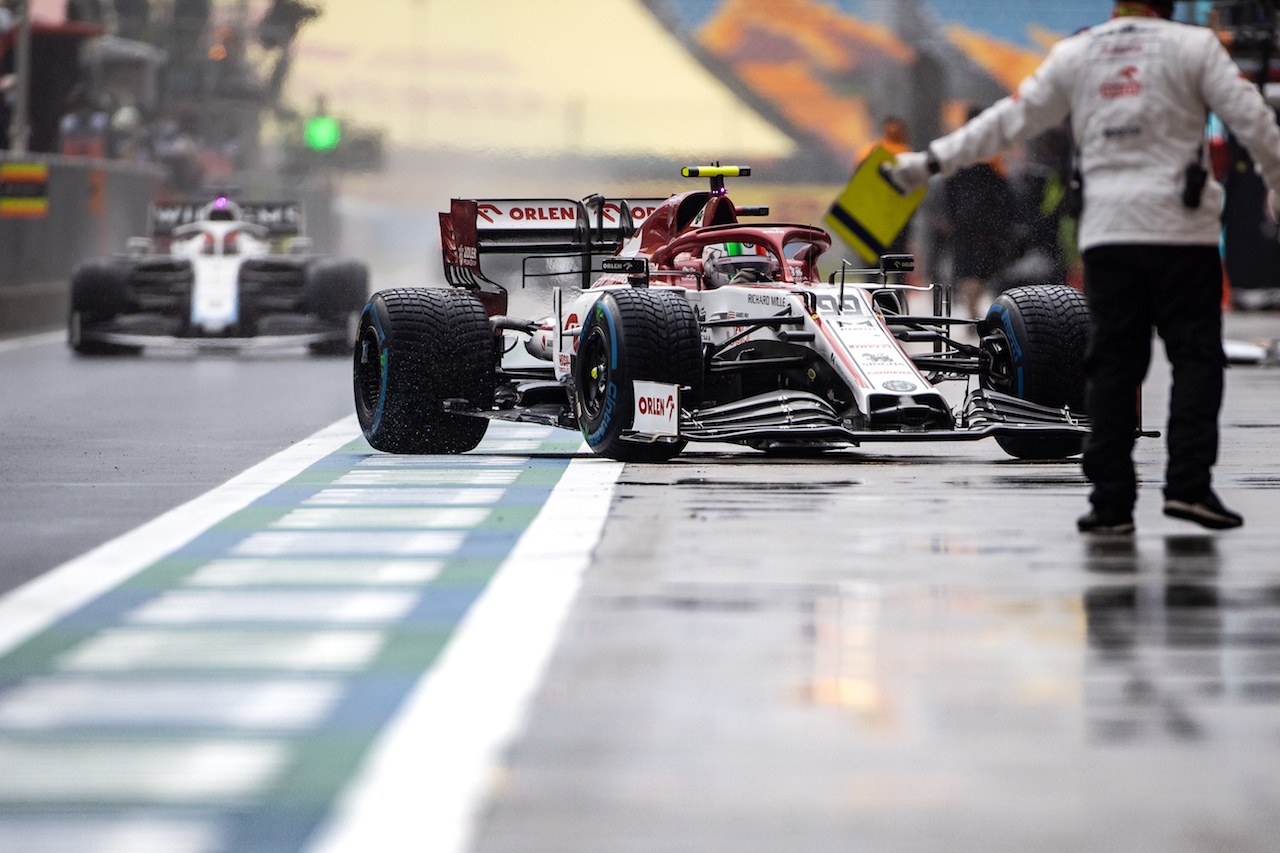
[{"x": 1138, "y": 90}]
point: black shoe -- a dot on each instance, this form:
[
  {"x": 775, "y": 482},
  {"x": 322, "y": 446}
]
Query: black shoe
[
  {"x": 1207, "y": 512},
  {"x": 1105, "y": 522}
]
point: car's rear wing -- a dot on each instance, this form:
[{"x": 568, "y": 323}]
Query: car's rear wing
[
  {"x": 541, "y": 227},
  {"x": 280, "y": 218}
]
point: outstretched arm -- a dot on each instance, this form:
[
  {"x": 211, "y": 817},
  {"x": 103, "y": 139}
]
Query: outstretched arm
[{"x": 1040, "y": 102}]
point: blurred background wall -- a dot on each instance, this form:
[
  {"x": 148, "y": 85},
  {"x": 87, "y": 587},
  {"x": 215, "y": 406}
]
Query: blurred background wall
[
  {"x": 569, "y": 97},
  {"x": 797, "y": 82}
]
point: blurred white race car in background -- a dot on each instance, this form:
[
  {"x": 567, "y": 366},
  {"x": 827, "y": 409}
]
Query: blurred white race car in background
[{"x": 212, "y": 276}]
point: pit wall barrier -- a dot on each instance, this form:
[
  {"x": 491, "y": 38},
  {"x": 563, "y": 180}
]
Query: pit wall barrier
[{"x": 94, "y": 207}]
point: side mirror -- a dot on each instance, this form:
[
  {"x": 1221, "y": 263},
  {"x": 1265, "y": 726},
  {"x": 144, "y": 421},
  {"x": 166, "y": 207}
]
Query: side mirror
[
  {"x": 635, "y": 269},
  {"x": 897, "y": 263}
]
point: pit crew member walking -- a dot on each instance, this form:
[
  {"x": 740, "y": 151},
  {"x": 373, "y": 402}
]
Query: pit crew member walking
[{"x": 1138, "y": 89}]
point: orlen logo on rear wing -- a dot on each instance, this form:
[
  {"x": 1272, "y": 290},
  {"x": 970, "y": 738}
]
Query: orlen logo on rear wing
[
  {"x": 280, "y": 218},
  {"x": 527, "y": 215},
  {"x": 556, "y": 217}
]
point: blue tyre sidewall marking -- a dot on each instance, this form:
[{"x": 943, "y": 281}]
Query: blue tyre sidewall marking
[
  {"x": 1006, "y": 321},
  {"x": 594, "y": 438},
  {"x": 613, "y": 340}
]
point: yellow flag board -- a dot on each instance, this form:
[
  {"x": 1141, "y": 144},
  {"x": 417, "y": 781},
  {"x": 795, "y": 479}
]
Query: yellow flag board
[
  {"x": 24, "y": 190},
  {"x": 871, "y": 213}
]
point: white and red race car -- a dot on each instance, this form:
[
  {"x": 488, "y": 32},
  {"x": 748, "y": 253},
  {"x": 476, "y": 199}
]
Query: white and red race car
[
  {"x": 670, "y": 320},
  {"x": 210, "y": 276}
]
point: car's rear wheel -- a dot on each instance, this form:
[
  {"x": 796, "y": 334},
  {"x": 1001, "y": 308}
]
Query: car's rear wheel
[
  {"x": 1036, "y": 337},
  {"x": 634, "y": 335},
  {"x": 415, "y": 349}
]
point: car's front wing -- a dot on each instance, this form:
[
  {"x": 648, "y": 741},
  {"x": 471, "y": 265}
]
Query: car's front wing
[
  {"x": 257, "y": 343},
  {"x": 800, "y": 416}
]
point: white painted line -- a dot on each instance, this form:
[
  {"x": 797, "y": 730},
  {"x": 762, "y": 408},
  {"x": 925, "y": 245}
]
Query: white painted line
[
  {"x": 512, "y": 446},
  {"x": 406, "y": 496},
  {"x": 206, "y": 607},
  {"x": 425, "y": 778},
  {"x": 49, "y": 703},
  {"x": 434, "y": 543},
  {"x": 406, "y": 518},
  {"x": 200, "y": 771},
  {"x": 138, "y": 649},
  {"x": 386, "y": 460},
  {"x": 39, "y": 603},
  {"x": 428, "y": 477},
  {"x": 230, "y": 572},
  {"x": 104, "y": 835},
  {"x": 42, "y": 339},
  {"x": 508, "y": 430}
]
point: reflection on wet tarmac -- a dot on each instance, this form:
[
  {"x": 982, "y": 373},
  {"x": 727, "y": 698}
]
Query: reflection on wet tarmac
[
  {"x": 926, "y": 660},
  {"x": 1157, "y": 646},
  {"x": 1173, "y": 645}
]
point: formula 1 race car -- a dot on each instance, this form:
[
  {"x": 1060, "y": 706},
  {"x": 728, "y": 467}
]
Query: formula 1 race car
[
  {"x": 208, "y": 276},
  {"x": 670, "y": 321}
]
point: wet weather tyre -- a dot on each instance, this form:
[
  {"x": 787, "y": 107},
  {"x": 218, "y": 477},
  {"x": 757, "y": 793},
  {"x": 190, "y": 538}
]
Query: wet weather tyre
[
  {"x": 415, "y": 349},
  {"x": 334, "y": 290},
  {"x": 99, "y": 293},
  {"x": 634, "y": 335},
  {"x": 1036, "y": 337}
]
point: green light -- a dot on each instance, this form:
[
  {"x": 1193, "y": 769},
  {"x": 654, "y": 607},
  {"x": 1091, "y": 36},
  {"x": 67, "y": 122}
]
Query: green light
[{"x": 322, "y": 133}]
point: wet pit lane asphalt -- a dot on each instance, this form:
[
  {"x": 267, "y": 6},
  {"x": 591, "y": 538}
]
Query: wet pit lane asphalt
[
  {"x": 93, "y": 447},
  {"x": 894, "y": 648},
  {"x": 910, "y": 648}
]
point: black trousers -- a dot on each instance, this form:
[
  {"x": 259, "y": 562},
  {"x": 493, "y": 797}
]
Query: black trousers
[{"x": 1131, "y": 290}]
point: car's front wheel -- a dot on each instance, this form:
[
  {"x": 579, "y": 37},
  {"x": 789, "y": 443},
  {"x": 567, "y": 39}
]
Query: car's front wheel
[
  {"x": 99, "y": 293},
  {"x": 1035, "y": 338},
  {"x": 634, "y": 335}
]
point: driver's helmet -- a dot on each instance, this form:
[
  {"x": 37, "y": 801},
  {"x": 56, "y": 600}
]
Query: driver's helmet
[{"x": 737, "y": 263}]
